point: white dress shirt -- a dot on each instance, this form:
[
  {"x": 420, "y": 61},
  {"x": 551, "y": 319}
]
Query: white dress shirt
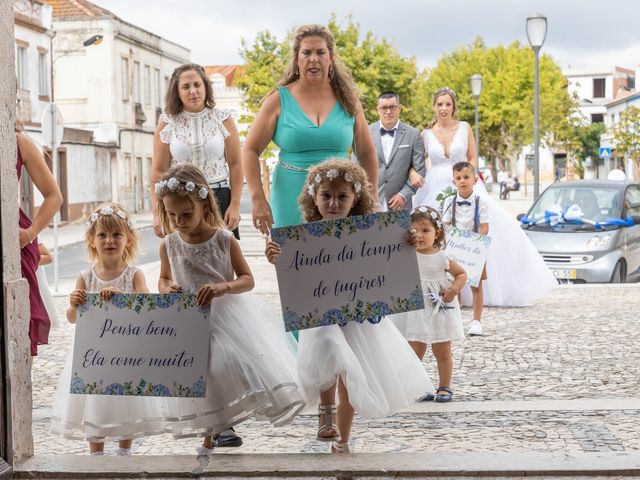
[
  {"x": 387, "y": 142},
  {"x": 465, "y": 213}
]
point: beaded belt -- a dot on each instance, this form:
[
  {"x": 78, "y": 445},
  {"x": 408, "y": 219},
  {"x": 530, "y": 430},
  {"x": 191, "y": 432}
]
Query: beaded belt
[
  {"x": 220, "y": 184},
  {"x": 293, "y": 168}
]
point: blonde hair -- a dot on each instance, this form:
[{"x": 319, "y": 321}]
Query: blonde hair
[
  {"x": 172, "y": 103},
  {"x": 342, "y": 84},
  {"x": 454, "y": 99},
  {"x": 186, "y": 173},
  {"x": 425, "y": 213},
  {"x": 365, "y": 202},
  {"x": 112, "y": 222}
]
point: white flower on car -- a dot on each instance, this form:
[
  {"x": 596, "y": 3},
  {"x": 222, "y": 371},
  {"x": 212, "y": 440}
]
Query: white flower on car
[
  {"x": 203, "y": 192},
  {"x": 106, "y": 211},
  {"x": 173, "y": 183},
  {"x": 190, "y": 186},
  {"x": 333, "y": 173}
]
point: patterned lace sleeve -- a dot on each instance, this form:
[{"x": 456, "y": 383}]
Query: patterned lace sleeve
[
  {"x": 167, "y": 131},
  {"x": 221, "y": 115}
]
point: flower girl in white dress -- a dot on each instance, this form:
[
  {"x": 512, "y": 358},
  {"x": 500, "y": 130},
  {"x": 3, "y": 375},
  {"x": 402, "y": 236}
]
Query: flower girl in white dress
[
  {"x": 375, "y": 370},
  {"x": 251, "y": 364},
  {"x": 112, "y": 244}
]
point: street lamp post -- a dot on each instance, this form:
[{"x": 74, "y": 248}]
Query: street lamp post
[
  {"x": 476, "y": 90},
  {"x": 54, "y": 124},
  {"x": 536, "y": 33}
]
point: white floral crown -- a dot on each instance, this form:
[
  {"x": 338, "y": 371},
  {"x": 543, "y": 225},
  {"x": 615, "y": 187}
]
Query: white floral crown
[
  {"x": 330, "y": 175},
  {"x": 432, "y": 213},
  {"x": 175, "y": 185},
  {"x": 108, "y": 211}
]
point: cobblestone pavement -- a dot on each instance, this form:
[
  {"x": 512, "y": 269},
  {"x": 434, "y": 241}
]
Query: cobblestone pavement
[{"x": 578, "y": 344}]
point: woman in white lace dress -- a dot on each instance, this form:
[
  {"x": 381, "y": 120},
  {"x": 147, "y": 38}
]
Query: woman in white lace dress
[
  {"x": 517, "y": 274},
  {"x": 193, "y": 130}
]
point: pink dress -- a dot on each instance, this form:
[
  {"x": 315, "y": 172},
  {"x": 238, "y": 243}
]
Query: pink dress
[{"x": 39, "y": 323}]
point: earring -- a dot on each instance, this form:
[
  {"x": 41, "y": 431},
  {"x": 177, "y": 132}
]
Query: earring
[
  {"x": 331, "y": 72},
  {"x": 297, "y": 72}
]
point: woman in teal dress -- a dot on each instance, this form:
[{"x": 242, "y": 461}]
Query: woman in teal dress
[{"x": 314, "y": 114}]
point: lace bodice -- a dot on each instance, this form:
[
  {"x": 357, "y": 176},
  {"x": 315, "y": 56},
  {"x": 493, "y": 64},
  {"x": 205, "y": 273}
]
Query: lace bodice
[
  {"x": 198, "y": 138},
  {"x": 432, "y": 266},
  {"x": 193, "y": 265},
  {"x": 457, "y": 149},
  {"x": 123, "y": 282}
]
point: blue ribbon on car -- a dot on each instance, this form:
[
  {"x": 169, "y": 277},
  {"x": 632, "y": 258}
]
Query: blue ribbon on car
[{"x": 573, "y": 215}]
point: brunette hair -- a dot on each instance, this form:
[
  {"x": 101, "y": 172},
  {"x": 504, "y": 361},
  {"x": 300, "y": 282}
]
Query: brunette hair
[
  {"x": 454, "y": 98},
  {"x": 346, "y": 170},
  {"x": 189, "y": 182},
  {"x": 431, "y": 215},
  {"x": 342, "y": 84},
  {"x": 112, "y": 217},
  {"x": 172, "y": 103},
  {"x": 462, "y": 165}
]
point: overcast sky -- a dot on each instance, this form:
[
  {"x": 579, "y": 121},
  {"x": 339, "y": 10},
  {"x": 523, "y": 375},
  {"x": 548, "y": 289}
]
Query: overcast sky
[{"x": 581, "y": 33}]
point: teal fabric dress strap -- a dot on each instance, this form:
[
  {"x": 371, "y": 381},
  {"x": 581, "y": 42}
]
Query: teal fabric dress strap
[{"x": 303, "y": 144}]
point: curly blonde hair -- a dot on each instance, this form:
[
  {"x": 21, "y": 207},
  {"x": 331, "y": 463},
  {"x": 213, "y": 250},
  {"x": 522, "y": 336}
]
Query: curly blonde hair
[
  {"x": 342, "y": 83},
  {"x": 112, "y": 222},
  {"x": 348, "y": 171},
  {"x": 185, "y": 173},
  {"x": 427, "y": 214}
]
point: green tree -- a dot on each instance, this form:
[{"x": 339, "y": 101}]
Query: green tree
[
  {"x": 506, "y": 102},
  {"x": 626, "y": 134},
  {"x": 375, "y": 65}
]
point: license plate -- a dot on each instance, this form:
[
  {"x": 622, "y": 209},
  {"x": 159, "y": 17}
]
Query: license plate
[{"x": 564, "y": 274}]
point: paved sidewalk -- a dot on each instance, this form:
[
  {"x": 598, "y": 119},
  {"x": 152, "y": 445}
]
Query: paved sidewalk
[{"x": 547, "y": 378}]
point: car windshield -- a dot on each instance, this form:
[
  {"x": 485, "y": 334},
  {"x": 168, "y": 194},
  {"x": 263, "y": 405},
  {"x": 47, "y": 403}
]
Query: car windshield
[{"x": 597, "y": 203}]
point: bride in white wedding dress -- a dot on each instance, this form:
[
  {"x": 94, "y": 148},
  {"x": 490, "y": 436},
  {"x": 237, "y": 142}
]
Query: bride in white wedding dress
[{"x": 517, "y": 274}]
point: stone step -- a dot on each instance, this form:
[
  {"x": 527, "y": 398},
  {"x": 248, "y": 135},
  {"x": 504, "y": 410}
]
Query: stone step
[{"x": 339, "y": 467}]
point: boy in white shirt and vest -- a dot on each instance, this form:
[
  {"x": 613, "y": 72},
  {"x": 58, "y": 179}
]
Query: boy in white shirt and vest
[{"x": 468, "y": 211}]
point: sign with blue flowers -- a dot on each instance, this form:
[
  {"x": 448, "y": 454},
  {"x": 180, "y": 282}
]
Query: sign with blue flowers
[
  {"x": 351, "y": 269},
  {"x": 141, "y": 344},
  {"x": 469, "y": 249}
]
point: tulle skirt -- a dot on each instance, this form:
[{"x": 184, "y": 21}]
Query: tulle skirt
[
  {"x": 517, "y": 274},
  {"x": 47, "y": 298},
  {"x": 100, "y": 418},
  {"x": 381, "y": 372},
  {"x": 251, "y": 372},
  {"x": 431, "y": 325}
]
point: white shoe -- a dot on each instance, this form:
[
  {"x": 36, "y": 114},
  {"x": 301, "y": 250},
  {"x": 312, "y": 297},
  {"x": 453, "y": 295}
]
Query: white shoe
[
  {"x": 204, "y": 451},
  {"x": 337, "y": 447},
  {"x": 475, "y": 328}
]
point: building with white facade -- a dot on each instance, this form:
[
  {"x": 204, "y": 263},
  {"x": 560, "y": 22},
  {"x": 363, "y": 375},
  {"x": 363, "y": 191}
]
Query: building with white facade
[
  {"x": 594, "y": 89},
  {"x": 614, "y": 110},
  {"x": 115, "y": 89},
  {"x": 227, "y": 94}
]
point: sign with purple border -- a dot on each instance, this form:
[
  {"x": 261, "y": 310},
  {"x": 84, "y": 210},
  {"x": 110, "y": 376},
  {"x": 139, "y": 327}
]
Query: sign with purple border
[
  {"x": 141, "y": 344},
  {"x": 351, "y": 269}
]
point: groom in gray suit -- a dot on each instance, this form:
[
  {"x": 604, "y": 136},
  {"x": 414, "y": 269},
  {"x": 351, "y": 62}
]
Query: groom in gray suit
[{"x": 399, "y": 147}]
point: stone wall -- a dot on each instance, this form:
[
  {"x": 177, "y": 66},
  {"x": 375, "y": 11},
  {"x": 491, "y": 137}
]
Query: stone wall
[{"x": 16, "y": 296}]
